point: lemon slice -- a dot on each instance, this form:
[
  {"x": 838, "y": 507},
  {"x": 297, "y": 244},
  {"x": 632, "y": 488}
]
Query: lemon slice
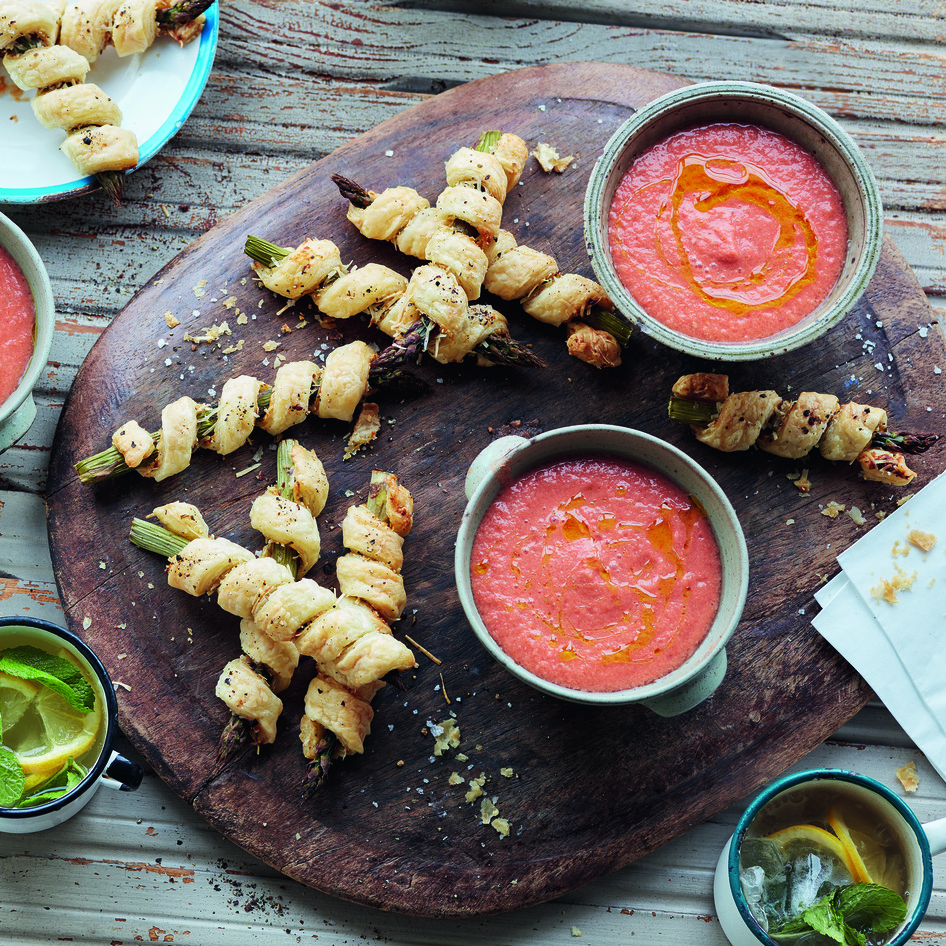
[
  {"x": 813, "y": 837},
  {"x": 51, "y": 731},
  {"x": 15, "y": 697},
  {"x": 851, "y": 854}
]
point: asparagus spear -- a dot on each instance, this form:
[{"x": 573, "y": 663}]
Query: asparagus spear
[
  {"x": 700, "y": 413},
  {"x": 500, "y": 348},
  {"x": 385, "y": 372},
  {"x": 602, "y": 319},
  {"x": 317, "y": 769},
  {"x": 180, "y": 14},
  {"x": 156, "y": 538}
]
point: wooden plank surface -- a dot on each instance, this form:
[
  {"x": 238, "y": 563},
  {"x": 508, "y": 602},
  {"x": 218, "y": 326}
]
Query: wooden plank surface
[
  {"x": 376, "y": 835},
  {"x": 276, "y": 101}
]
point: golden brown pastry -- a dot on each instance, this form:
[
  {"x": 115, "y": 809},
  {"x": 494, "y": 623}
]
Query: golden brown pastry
[{"x": 792, "y": 428}]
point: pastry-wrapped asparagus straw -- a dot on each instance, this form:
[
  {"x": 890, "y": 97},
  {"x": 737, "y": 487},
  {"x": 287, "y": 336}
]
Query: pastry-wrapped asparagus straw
[
  {"x": 131, "y": 26},
  {"x": 369, "y": 579},
  {"x": 794, "y": 427},
  {"x": 95, "y": 144},
  {"x": 137, "y": 445},
  {"x": 353, "y": 650},
  {"x": 266, "y": 666},
  {"x": 462, "y": 238},
  {"x": 431, "y": 306}
]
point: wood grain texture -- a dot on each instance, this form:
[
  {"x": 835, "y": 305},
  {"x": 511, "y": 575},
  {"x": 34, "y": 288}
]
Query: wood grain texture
[
  {"x": 295, "y": 79},
  {"x": 592, "y": 790}
]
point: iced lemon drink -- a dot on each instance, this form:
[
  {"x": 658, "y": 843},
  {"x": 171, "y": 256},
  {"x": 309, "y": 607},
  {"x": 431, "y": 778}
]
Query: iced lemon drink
[
  {"x": 816, "y": 852},
  {"x": 51, "y": 718}
]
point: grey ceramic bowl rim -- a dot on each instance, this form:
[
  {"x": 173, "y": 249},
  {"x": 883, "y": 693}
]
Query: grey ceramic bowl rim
[
  {"x": 808, "y": 329},
  {"x": 922, "y": 899},
  {"x": 25, "y": 255},
  {"x": 609, "y": 698}
]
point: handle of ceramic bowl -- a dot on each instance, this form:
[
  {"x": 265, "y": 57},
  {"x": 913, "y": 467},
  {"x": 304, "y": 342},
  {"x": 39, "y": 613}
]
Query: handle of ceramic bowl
[
  {"x": 488, "y": 460},
  {"x": 18, "y": 423},
  {"x": 693, "y": 693},
  {"x": 935, "y": 833},
  {"x": 122, "y": 774}
]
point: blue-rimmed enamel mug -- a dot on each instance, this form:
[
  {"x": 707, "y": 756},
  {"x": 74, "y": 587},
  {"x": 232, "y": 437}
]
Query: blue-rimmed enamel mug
[
  {"x": 920, "y": 843},
  {"x": 109, "y": 768}
]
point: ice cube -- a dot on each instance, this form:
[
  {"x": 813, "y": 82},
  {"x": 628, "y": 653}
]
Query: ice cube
[
  {"x": 753, "y": 883},
  {"x": 810, "y": 877},
  {"x": 766, "y": 897}
]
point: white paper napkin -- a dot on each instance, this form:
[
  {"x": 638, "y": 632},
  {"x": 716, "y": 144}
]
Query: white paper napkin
[{"x": 898, "y": 646}]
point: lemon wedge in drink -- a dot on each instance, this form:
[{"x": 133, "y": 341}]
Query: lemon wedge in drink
[
  {"x": 48, "y": 731},
  {"x": 855, "y": 861},
  {"x": 15, "y": 698},
  {"x": 812, "y": 838}
]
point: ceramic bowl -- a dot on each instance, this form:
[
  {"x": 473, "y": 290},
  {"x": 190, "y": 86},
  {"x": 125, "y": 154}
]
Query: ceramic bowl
[
  {"x": 19, "y": 410},
  {"x": 779, "y": 111},
  {"x": 509, "y": 457}
]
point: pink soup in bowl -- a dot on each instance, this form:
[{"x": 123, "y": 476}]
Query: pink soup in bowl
[
  {"x": 27, "y": 321},
  {"x": 601, "y": 565},
  {"x": 733, "y": 221}
]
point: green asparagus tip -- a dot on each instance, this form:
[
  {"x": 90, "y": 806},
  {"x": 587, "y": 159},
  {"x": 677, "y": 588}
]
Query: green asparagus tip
[
  {"x": 352, "y": 192},
  {"x": 235, "y": 735},
  {"x": 488, "y": 141},
  {"x": 682, "y": 410},
  {"x": 264, "y": 252},
  {"x": 903, "y": 443},
  {"x": 317, "y": 769},
  {"x": 182, "y": 12},
  {"x": 113, "y": 183}
]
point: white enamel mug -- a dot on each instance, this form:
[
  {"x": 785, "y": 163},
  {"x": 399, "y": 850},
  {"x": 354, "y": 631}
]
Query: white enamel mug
[
  {"x": 920, "y": 844},
  {"x": 109, "y": 768}
]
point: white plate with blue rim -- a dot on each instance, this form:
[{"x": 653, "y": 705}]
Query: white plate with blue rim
[{"x": 156, "y": 91}]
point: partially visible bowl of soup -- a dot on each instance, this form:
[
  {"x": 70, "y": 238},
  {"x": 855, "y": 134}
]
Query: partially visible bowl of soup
[
  {"x": 601, "y": 565},
  {"x": 27, "y": 321},
  {"x": 733, "y": 221}
]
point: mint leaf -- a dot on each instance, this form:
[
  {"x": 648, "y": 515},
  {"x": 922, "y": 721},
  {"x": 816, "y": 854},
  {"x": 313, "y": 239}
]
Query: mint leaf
[
  {"x": 824, "y": 917},
  {"x": 853, "y": 937},
  {"x": 848, "y": 913},
  {"x": 800, "y": 922},
  {"x": 871, "y": 908},
  {"x": 12, "y": 779},
  {"x": 65, "y": 780},
  {"x": 59, "y": 674}
]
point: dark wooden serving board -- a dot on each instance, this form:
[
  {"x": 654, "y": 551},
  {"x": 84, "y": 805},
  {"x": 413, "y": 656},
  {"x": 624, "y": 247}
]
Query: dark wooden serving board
[{"x": 592, "y": 789}]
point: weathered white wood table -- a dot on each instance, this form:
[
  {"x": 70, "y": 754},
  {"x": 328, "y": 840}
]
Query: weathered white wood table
[{"x": 293, "y": 80}]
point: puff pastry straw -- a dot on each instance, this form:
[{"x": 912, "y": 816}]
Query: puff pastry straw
[
  {"x": 461, "y": 233},
  {"x": 429, "y": 311},
  {"x": 50, "y": 46},
  {"x": 299, "y": 390},
  {"x": 793, "y": 427},
  {"x": 284, "y": 617}
]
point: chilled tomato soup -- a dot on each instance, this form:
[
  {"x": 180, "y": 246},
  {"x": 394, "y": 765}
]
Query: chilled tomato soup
[
  {"x": 596, "y": 573},
  {"x": 17, "y": 316},
  {"x": 727, "y": 232}
]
